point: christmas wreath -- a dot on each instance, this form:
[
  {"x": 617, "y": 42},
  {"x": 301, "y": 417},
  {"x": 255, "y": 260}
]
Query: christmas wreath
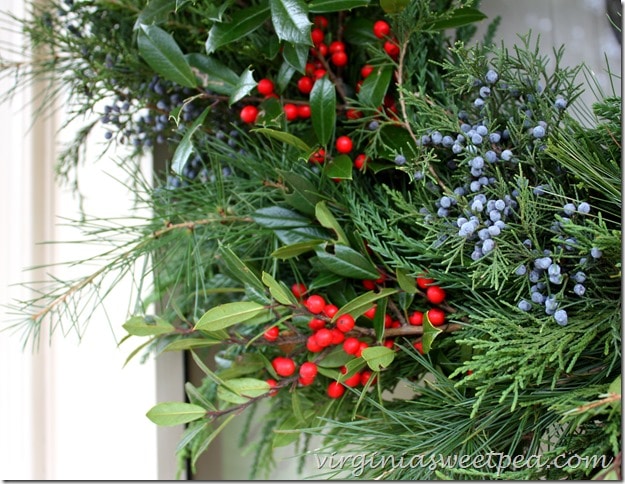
[{"x": 357, "y": 197}]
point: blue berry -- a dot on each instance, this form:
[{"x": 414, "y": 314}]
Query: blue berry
[
  {"x": 579, "y": 276},
  {"x": 476, "y": 139},
  {"x": 491, "y": 76},
  {"x": 500, "y": 204},
  {"x": 534, "y": 276},
  {"x": 442, "y": 212},
  {"x": 447, "y": 141},
  {"x": 108, "y": 135},
  {"x": 483, "y": 234},
  {"x": 494, "y": 137},
  {"x": 457, "y": 148},
  {"x": 560, "y": 103},
  {"x": 583, "y": 208},
  {"x": 477, "y": 162},
  {"x": 478, "y": 103},
  {"x": 475, "y": 186},
  {"x": 445, "y": 202},
  {"x": 554, "y": 270},
  {"x": 521, "y": 270},
  {"x": 467, "y": 229},
  {"x": 543, "y": 263},
  {"x": 484, "y": 92},
  {"x": 477, "y": 206},
  {"x": 579, "y": 289},
  {"x": 477, "y": 254},
  {"x": 494, "y": 230},
  {"x": 596, "y": 253},
  {"x": 373, "y": 125},
  {"x": 418, "y": 175},
  {"x": 569, "y": 208},
  {"x": 494, "y": 215},
  {"x": 551, "y": 305},
  {"x": 490, "y": 156},
  {"x": 538, "y": 132},
  {"x": 437, "y": 138},
  {"x": 561, "y": 317},
  {"x": 481, "y": 130},
  {"x": 488, "y": 245},
  {"x": 506, "y": 155},
  {"x": 400, "y": 160},
  {"x": 460, "y": 191},
  {"x": 524, "y": 305}
]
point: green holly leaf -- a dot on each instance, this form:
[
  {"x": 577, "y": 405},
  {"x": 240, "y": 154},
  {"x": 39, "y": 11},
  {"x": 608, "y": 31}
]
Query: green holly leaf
[
  {"x": 297, "y": 249},
  {"x": 243, "y": 23},
  {"x": 155, "y": 12},
  {"x": 287, "y": 138},
  {"x": 430, "y": 333},
  {"x": 147, "y": 326},
  {"x": 161, "y": 52},
  {"x": 214, "y": 75},
  {"x": 279, "y": 218},
  {"x": 329, "y": 6},
  {"x": 347, "y": 262},
  {"x": 458, "y": 18},
  {"x": 339, "y": 168},
  {"x": 323, "y": 109},
  {"x": 228, "y": 314},
  {"x": 327, "y": 220},
  {"x": 407, "y": 284},
  {"x": 359, "y": 305},
  {"x": 375, "y": 86},
  {"x": 290, "y": 20},
  {"x": 296, "y": 55},
  {"x": 175, "y": 413},
  {"x": 185, "y": 147},
  {"x": 378, "y": 357},
  {"x": 243, "y": 87}
]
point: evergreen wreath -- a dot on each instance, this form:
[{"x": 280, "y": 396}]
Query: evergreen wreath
[{"x": 355, "y": 198}]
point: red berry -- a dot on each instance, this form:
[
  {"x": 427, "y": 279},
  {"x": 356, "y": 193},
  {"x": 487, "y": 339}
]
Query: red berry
[
  {"x": 365, "y": 376},
  {"x": 312, "y": 345},
  {"x": 310, "y": 68},
  {"x": 423, "y": 282},
  {"x": 345, "y": 323},
  {"x": 265, "y": 87},
  {"x": 303, "y": 111},
  {"x": 395, "y": 324},
  {"x": 317, "y": 36},
  {"x": 318, "y": 156},
  {"x": 370, "y": 313},
  {"x": 323, "y": 337},
  {"x": 436, "y": 316},
  {"x": 339, "y": 59},
  {"x": 336, "y": 46},
  {"x": 308, "y": 370},
  {"x": 388, "y": 320},
  {"x": 368, "y": 284},
  {"x": 249, "y": 114},
  {"x": 360, "y": 161},
  {"x": 319, "y": 73},
  {"x": 316, "y": 324},
  {"x": 362, "y": 346},
  {"x": 381, "y": 29},
  {"x": 283, "y": 366},
  {"x": 272, "y": 333},
  {"x": 335, "y": 390},
  {"x": 298, "y": 289},
  {"x": 351, "y": 345},
  {"x": 435, "y": 294},
  {"x": 304, "y": 382},
  {"x": 366, "y": 70},
  {"x": 272, "y": 384},
  {"x": 389, "y": 343},
  {"x": 315, "y": 304},
  {"x": 391, "y": 48},
  {"x": 416, "y": 318},
  {"x": 344, "y": 144},
  {"x": 320, "y": 50},
  {"x": 320, "y": 21},
  {"x": 353, "y": 380},
  {"x": 305, "y": 84},
  {"x": 290, "y": 112},
  {"x": 330, "y": 310},
  {"x": 337, "y": 336},
  {"x": 418, "y": 346},
  {"x": 353, "y": 114}
]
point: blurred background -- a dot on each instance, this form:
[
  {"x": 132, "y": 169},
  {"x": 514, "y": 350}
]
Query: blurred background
[{"x": 70, "y": 410}]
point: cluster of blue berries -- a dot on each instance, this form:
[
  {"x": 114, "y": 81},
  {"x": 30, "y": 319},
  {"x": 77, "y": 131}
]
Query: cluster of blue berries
[{"x": 550, "y": 276}]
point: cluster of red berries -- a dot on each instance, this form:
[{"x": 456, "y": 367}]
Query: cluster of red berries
[{"x": 326, "y": 333}]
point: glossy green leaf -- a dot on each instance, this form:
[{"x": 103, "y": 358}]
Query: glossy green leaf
[
  {"x": 279, "y": 218},
  {"x": 184, "y": 344},
  {"x": 161, "y": 52},
  {"x": 270, "y": 114},
  {"x": 328, "y": 6},
  {"x": 302, "y": 234},
  {"x": 459, "y": 17},
  {"x": 324, "y": 279},
  {"x": 243, "y": 87},
  {"x": 213, "y": 75},
  {"x": 155, "y": 12},
  {"x": 359, "y": 31},
  {"x": 346, "y": 262},
  {"x": 285, "y": 74},
  {"x": 295, "y": 250},
  {"x": 359, "y": 305},
  {"x": 296, "y": 55},
  {"x": 303, "y": 195},
  {"x": 378, "y": 357},
  {"x": 287, "y": 138},
  {"x": 406, "y": 283},
  {"x": 395, "y": 140},
  {"x": 185, "y": 147},
  {"x": 335, "y": 358},
  {"x": 243, "y": 22},
  {"x": 394, "y": 6},
  {"x": 379, "y": 318},
  {"x": 239, "y": 270},
  {"x": 290, "y": 21},
  {"x": 241, "y": 390},
  {"x": 339, "y": 168},
  {"x": 430, "y": 333},
  {"x": 175, "y": 413},
  {"x": 375, "y": 86},
  {"x": 244, "y": 364},
  {"x": 228, "y": 314},
  {"x": 323, "y": 109},
  {"x": 278, "y": 290},
  {"x": 327, "y": 220},
  {"x": 147, "y": 326}
]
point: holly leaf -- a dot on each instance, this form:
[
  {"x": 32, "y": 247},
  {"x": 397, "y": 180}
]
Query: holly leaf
[
  {"x": 279, "y": 218},
  {"x": 328, "y": 6},
  {"x": 147, "y": 326},
  {"x": 214, "y": 75},
  {"x": 285, "y": 74},
  {"x": 347, "y": 262},
  {"x": 458, "y": 18},
  {"x": 161, "y": 52},
  {"x": 407, "y": 284},
  {"x": 185, "y": 147},
  {"x": 287, "y": 138},
  {"x": 323, "y": 109},
  {"x": 290, "y": 20},
  {"x": 378, "y": 357},
  {"x": 245, "y": 84},
  {"x": 228, "y": 314},
  {"x": 339, "y": 168},
  {"x": 295, "y": 55},
  {"x": 295, "y": 250},
  {"x": 175, "y": 413},
  {"x": 359, "y": 305},
  {"x": 243, "y": 23},
  {"x": 375, "y": 86},
  {"x": 430, "y": 333},
  {"x": 327, "y": 220},
  {"x": 155, "y": 12}
]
